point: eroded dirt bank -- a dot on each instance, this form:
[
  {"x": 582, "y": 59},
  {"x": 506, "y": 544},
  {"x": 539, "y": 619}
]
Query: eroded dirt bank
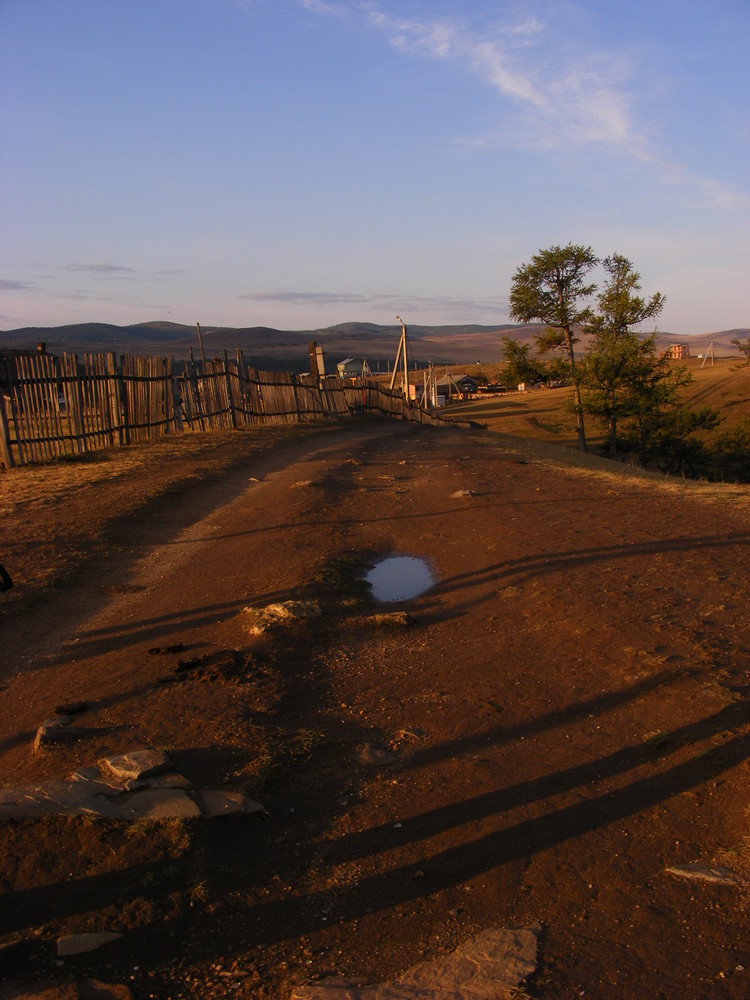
[{"x": 566, "y": 719}]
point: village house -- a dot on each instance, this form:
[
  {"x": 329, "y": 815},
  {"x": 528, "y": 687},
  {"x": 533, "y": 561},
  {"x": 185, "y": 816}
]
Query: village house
[
  {"x": 450, "y": 385},
  {"x": 677, "y": 352}
]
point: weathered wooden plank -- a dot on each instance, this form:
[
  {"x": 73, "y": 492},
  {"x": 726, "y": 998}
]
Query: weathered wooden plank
[{"x": 6, "y": 451}]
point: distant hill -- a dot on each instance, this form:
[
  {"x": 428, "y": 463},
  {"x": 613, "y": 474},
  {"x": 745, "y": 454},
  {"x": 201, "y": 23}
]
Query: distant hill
[{"x": 266, "y": 347}]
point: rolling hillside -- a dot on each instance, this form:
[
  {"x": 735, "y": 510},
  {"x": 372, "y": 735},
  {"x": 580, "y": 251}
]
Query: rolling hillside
[{"x": 267, "y": 347}]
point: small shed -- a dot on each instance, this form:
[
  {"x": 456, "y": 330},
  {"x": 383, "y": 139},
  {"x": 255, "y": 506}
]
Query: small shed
[{"x": 451, "y": 385}]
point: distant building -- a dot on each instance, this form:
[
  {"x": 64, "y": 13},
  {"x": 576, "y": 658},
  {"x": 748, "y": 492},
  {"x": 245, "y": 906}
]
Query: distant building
[
  {"x": 349, "y": 368},
  {"x": 678, "y": 351},
  {"x": 449, "y": 385}
]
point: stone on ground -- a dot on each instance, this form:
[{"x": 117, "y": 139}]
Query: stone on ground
[
  {"x": 487, "y": 967},
  {"x": 701, "y": 873},
  {"x": 86, "y": 989},
  {"x": 136, "y": 765},
  {"x": 79, "y": 944},
  {"x": 273, "y": 616}
]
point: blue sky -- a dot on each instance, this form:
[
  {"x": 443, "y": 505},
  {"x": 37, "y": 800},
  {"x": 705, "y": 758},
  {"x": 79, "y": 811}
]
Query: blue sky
[{"x": 298, "y": 163}]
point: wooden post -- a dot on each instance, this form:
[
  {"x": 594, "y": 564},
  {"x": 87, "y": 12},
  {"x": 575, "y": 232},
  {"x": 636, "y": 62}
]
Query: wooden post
[
  {"x": 174, "y": 388},
  {"x": 200, "y": 344},
  {"x": 6, "y": 454},
  {"x": 80, "y": 412},
  {"x": 230, "y": 400},
  {"x": 113, "y": 400},
  {"x": 312, "y": 348}
]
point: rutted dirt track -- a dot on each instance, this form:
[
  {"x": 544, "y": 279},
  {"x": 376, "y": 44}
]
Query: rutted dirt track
[{"x": 566, "y": 719}]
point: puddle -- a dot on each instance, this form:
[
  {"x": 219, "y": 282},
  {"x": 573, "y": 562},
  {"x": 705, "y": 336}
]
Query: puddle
[{"x": 399, "y": 578}]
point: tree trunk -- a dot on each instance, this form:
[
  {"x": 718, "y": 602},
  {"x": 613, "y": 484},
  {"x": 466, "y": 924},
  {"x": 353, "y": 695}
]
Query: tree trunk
[
  {"x": 612, "y": 436},
  {"x": 580, "y": 428}
]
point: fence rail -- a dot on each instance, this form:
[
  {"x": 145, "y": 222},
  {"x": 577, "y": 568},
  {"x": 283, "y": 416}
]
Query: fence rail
[{"x": 71, "y": 405}]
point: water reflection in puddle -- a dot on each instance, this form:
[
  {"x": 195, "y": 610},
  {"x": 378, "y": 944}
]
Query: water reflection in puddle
[{"x": 399, "y": 578}]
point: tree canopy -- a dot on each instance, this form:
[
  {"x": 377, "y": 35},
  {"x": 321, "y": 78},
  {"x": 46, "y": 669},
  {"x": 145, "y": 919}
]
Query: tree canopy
[
  {"x": 552, "y": 289},
  {"x": 621, "y": 380},
  {"x": 619, "y": 364},
  {"x": 744, "y": 347}
]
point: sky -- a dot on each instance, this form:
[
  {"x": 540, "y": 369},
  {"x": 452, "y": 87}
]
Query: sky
[{"x": 301, "y": 163}]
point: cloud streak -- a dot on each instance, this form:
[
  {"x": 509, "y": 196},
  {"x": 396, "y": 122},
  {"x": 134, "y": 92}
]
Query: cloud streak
[
  {"x": 305, "y": 298},
  {"x": 104, "y": 270},
  {"x": 450, "y": 305},
  {"x": 553, "y": 95},
  {"x": 550, "y": 99},
  {"x": 9, "y": 285}
]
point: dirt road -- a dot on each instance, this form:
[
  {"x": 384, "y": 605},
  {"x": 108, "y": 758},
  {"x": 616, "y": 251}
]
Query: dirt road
[{"x": 565, "y": 720}]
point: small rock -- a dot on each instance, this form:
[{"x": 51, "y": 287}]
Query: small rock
[
  {"x": 53, "y": 732},
  {"x": 272, "y": 616},
  {"x": 391, "y": 619},
  {"x": 463, "y": 493},
  {"x": 10, "y": 944},
  {"x": 84, "y": 989},
  {"x": 136, "y": 765},
  {"x": 79, "y": 944},
  {"x": 700, "y": 873},
  {"x": 489, "y": 965}
]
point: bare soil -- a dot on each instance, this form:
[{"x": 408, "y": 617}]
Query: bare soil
[{"x": 566, "y": 718}]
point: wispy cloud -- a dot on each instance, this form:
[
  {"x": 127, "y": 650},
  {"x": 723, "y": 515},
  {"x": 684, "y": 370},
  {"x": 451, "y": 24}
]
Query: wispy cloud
[
  {"x": 105, "y": 270},
  {"x": 305, "y": 298},
  {"x": 555, "y": 91},
  {"x": 9, "y": 285},
  {"x": 551, "y": 96},
  {"x": 447, "y": 305},
  {"x": 391, "y": 301},
  {"x": 323, "y": 7}
]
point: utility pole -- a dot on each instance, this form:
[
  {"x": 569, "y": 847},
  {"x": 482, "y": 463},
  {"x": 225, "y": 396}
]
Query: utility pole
[
  {"x": 403, "y": 358},
  {"x": 711, "y": 352},
  {"x": 200, "y": 344}
]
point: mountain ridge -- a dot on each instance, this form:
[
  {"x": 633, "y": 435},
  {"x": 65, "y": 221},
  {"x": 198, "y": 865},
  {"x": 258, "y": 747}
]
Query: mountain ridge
[{"x": 448, "y": 343}]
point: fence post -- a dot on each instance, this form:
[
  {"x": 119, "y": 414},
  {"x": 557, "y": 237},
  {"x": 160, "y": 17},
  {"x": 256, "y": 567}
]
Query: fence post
[
  {"x": 79, "y": 409},
  {"x": 230, "y": 400},
  {"x": 176, "y": 401},
  {"x": 113, "y": 400},
  {"x": 5, "y": 450}
]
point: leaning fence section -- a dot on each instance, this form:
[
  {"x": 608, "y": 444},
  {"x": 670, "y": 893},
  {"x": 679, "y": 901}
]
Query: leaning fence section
[{"x": 51, "y": 406}]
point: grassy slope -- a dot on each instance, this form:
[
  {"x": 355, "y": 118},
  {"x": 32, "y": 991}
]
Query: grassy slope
[{"x": 543, "y": 415}]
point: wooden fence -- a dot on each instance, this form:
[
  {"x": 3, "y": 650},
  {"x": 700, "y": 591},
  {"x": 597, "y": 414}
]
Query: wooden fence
[{"x": 70, "y": 405}]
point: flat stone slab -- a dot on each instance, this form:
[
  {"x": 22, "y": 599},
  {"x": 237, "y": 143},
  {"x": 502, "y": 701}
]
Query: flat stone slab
[
  {"x": 701, "y": 873},
  {"x": 86, "y": 989},
  {"x": 215, "y": 804},
  {"x": 131, "y": 787},
  {"x": 158, "y": 803},
  {"x": 487, "y": 967},
  {"x": 53, "y": 798},
  {"x": 79, "y": 944}
]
